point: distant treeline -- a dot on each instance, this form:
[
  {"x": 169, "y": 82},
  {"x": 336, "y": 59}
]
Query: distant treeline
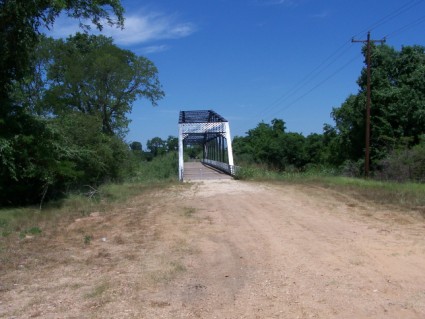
[
  {"x": 64, "y": 106},
  {"x": 397, "y": 126}
]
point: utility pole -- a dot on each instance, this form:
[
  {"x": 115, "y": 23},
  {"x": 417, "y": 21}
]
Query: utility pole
[{"x": 368, "y": 41}]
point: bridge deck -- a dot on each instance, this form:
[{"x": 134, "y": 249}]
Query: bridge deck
[{"x": 199, "y": 171}]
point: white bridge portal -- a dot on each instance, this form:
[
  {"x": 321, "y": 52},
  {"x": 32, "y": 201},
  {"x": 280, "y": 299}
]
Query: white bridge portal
[{"x": 210, "y": 130}]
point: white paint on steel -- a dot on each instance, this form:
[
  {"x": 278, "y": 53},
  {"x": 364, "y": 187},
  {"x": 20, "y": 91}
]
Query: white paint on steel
[
  {"x": 181, "y": 160},
  {"x": 186, "y": 129},
  {"x": 229, "y": 143}
]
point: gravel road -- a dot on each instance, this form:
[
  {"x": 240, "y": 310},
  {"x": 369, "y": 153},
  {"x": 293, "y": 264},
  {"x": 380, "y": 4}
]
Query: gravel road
[{"x": 227, "y": 249}]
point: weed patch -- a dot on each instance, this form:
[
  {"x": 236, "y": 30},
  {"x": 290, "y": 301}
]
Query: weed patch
[
  {"x": 4, "y": 228},
  {"x": 188, "y": 211},
  {"x": 161, "y": 168},
  {"x": 97, "y": 291},
  {"x": 170, "y": 271},
  {"x": 403, "y": 195},
  {"x": 30, "y": 231},
  {"x": 88, "y": 239}
]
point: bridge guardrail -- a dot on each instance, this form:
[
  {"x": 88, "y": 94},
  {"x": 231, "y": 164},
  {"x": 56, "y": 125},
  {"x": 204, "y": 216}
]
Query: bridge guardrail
[{"x": 229, "y": 169}]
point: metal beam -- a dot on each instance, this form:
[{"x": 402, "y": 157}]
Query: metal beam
[{"x": 209, "y": 129}]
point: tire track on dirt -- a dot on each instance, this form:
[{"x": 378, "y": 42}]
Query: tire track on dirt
[
  {"x": 225, "y": 249},
  {"x": 279, "y": 253}
]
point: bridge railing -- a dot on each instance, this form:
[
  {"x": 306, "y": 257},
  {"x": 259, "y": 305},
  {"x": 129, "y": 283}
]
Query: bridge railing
[{"x": 224, "y": 167}]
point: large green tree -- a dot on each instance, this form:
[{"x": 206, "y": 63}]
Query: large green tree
[
  {"x": 91, "y": 75},
  {"x": 172, "y": 144},
  {"x": 46, "y": 144},
  {"x": 269, "y": 144},
  {"x": 20, "y": 25},
  {"x": 397, "y": 109},
  {"x": 156, "y": 146},
  {"x": 82, "y": 90}
]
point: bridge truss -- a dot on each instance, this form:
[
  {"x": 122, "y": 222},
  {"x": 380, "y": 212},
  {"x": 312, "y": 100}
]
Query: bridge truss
[{"x": 212, "y": 131}]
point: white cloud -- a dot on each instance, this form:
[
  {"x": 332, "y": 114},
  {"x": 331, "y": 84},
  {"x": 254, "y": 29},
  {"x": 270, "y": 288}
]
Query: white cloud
[
  {"x": 138, "y": 28},
  {"x": 63, "y": 27},
  {"x": 321, "y": 15},
  {"x": 151, "y": 27},
  {"x": 154, "y": 49}
]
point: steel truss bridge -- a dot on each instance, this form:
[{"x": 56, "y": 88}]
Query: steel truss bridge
[{"x": 212, "y": 132}]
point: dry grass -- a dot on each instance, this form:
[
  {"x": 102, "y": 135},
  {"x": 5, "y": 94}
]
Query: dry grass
[
  {"x": 404, "y": 196},
  {"x": 167, "y": 272},
  {"x": 410, "y": 196},
  {"x": 169, "y": 253},
  {"x": 97, "y": 291},
  {"x": 188, "y": 211},
  {"x": 96, "y": 250}
]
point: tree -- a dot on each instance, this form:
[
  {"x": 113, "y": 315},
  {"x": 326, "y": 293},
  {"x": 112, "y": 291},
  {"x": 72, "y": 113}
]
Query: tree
[
  {"x": 157, "y": 146},
  {"x": 331, "y": 146},
  {"x": 136, "y": 146},
  {"x": 31, "y": 161},
  {"x": 293, "y": 151},
  {"x": 91, "y": 75},
  {"x": 97, "y": 157},
  {"x": 315, "y": 149},
  {"x": 404, "y": 164},
  {"x": 193, "y": 151},
  {"x": 87, "y": 83},
  {"x": 172, "y": 144},
  {"x": 137, "y": 151},
  {"x": 350, "y": 128},
  {"x": 398, "y": 104},
  {"x": 242, "y": 150},
  {"x": 41, "y": 151},
  {"x": 20, "y": 23},
  {"x": 271, "y": 145}
]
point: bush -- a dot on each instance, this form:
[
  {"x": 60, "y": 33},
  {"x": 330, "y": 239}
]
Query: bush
[
  {"x": 352, "y": 168},
  {"x": 404, "y": 165},
  {"x": 45, "y": 158},
  {"x": 164, "y": 167}
]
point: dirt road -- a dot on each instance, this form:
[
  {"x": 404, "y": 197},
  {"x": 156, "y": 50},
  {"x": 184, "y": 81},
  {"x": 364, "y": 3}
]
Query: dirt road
[{"x": 226, "y": 249}]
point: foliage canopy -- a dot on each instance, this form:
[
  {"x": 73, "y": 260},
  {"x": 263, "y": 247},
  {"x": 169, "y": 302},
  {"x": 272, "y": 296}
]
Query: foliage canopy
[
  {"x": 397, "y": 125},
  {"x": 65, "y": 103}
]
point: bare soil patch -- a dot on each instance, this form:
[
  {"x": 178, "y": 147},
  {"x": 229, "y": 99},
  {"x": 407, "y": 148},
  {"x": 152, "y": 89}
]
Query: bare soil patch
[{"x": 222, "y": 249}]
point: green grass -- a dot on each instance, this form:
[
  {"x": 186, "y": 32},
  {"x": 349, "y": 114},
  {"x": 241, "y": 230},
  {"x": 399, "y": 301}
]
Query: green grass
[
  {"x": 87, "y": 239},
  {"x": 122, "y": 192},
  {"x": 404, "y": 195},
  {"x": 24, "y": 221},
  {"x": 30, "y": 231},
  {"x": 161, "y": 168},
  {"x": 407, "y": 195},
  {"x": 261, "y": 173},
  {"x": 21, "y": 221},
  {"x": 159, "y": 173}
]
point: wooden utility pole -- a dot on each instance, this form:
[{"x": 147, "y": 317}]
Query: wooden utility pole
[{"x": 368, "y": 41}]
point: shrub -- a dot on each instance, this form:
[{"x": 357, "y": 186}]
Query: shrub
[
  {"x": 164, "y": 167},
  {"x": 404, "y": 165}
]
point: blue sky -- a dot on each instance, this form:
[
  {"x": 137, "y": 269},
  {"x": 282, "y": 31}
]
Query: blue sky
[{"x": 255, "y": 60}]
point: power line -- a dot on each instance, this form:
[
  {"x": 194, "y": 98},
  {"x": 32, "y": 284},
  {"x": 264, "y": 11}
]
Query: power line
[
  {"x": 391, "y": 16},
  {"x": 323, "y": 66},
  {"x": 318, "y": 85},
  {"x": 407, "y": 27},
  {"x": 331, "y": 59}
]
